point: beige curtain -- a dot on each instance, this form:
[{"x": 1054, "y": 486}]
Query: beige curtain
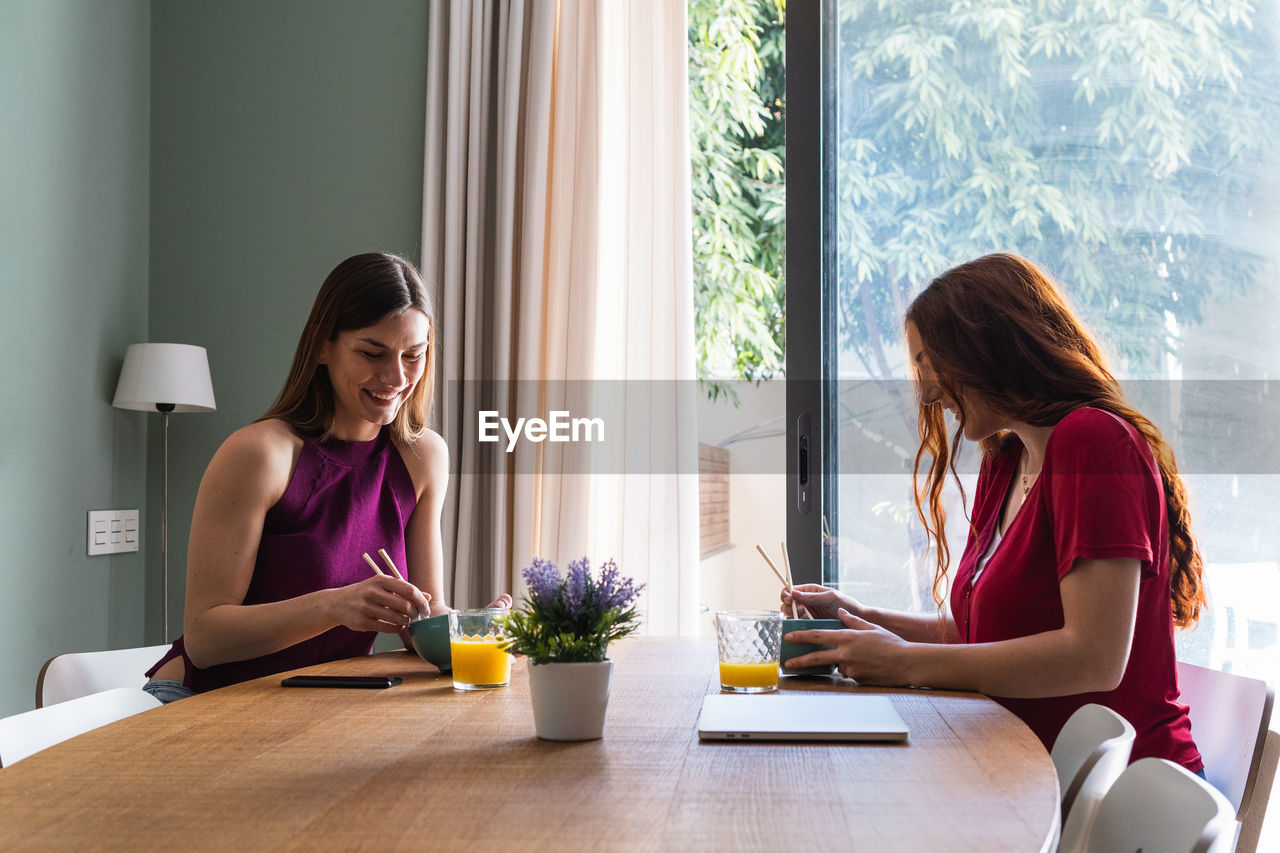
[{"x": 557, "y": 260}]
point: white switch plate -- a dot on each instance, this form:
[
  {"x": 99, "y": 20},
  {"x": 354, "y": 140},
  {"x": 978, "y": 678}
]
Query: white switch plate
[{"x": 113, "y": 531}]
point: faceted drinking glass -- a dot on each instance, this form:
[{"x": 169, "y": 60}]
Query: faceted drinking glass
[
  {"x": 748, "y": 642},
  {"x": 476, "y": 645}
]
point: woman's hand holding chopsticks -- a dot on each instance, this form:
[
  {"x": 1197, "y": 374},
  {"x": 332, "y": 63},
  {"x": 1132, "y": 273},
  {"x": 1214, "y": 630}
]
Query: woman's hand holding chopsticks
[
  {"x": 821, "y": 602},
  {"x": 380, "y": 603},
  {"x": 385, "y": 602}
]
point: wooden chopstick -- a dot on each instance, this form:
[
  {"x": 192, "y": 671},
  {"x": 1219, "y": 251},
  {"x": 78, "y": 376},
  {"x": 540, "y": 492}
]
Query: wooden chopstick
[
  {"x": 786, "y": 564},
  {"x": 383, "y": 554},
  {"x": 777, "y": 573},
  {"x": 786, "y": 581},
  {"x": 376, "y": 568}
]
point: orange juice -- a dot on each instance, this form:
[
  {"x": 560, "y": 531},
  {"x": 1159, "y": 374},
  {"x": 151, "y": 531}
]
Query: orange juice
[
  {"x": 747, "y": 675},
  {"x": 479, "y": 660}
]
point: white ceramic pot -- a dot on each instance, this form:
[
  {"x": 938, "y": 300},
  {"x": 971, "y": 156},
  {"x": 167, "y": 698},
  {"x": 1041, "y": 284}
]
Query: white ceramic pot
[{"x": 570, "y": 700}]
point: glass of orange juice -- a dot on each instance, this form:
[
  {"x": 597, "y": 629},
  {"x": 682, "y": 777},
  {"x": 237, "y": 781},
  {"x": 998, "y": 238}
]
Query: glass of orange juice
[
  {"x": 478, "y": 649},
  {"x": 748, "y": 642}
]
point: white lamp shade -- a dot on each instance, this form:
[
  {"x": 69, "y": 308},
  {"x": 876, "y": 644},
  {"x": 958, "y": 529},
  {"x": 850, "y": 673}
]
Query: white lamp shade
[{"x": 176, "y": 374}]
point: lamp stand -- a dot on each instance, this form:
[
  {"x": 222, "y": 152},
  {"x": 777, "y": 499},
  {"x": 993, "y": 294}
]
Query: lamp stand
[{"x": 165, "y": 409}]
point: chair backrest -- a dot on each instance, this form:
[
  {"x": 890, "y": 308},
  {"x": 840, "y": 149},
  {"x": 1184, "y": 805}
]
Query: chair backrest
[
  {"x": 1230, "y": 715},
  {"x": 31, "y": 731},
  {"x": 1090, "y": 753},
  {"x": 81, "y": 673},
  {"x": 1157, "y": 806},
  {"x": 1250, "y": 837}
]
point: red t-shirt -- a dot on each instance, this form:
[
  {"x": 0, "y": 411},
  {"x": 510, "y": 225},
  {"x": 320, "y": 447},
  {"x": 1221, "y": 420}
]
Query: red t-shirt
[{"x": 1099, "y": 495}]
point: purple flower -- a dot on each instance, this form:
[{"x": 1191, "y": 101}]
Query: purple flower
[
  {"x": 543, "y": 580},
  {"x": 614, "y": 591},
  {"x": 574, "y": 618},
  {"x": 578, "y": 595},
  {"x": 575, "y": 586}
]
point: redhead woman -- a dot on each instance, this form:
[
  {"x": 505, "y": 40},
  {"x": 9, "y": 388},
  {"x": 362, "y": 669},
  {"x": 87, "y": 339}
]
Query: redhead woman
[
  {"x": 1080, "y": 560},
  {"x": 342, "y": 464}
]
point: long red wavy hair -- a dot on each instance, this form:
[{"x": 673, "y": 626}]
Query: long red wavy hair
[{"x": 998, "y": 327}]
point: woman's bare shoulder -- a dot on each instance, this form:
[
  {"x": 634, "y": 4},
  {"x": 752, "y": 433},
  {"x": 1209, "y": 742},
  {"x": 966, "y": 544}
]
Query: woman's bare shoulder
[
  {"x": 427, "y": 460},
  {"x": 265, "y": 450}
]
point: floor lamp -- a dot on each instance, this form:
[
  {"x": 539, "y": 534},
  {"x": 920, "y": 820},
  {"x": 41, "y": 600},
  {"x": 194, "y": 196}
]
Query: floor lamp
[{"x": 165, "y": 378}]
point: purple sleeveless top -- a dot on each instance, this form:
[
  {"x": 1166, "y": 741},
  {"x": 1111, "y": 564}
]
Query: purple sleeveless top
[{"x": 344, "y": 499}]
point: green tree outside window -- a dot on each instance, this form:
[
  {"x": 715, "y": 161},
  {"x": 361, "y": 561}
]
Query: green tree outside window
[
  {"x": 1112, "y": 141},
  {"x": 736, "y": 114}
]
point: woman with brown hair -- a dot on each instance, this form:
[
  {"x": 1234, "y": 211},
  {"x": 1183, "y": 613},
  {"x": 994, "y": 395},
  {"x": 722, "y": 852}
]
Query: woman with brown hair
[
  {"x": 1080, "y": 558},
  {"x": 342, "y": 464}
]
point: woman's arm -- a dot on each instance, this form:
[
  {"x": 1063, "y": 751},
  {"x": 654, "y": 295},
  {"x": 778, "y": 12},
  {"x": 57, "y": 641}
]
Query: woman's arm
[
  {"x": 247, "y": 475},
  {"x": 927, "y": 628},
  {"x": 1087, "y": 654},
  {"x": 824, "y": 603},
  {"x": 428, "y": 464}
]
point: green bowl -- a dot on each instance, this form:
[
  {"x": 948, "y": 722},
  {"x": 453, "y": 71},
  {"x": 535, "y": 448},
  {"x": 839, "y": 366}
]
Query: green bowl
[
  {"x": 794, "y": 650},
  {"x": 430, "y": 638}
]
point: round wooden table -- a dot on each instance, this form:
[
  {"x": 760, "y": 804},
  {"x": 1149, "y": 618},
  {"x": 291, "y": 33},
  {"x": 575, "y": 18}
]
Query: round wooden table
[{"x": 421, "y": 766}]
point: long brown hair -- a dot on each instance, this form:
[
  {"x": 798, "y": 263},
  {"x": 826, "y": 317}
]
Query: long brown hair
[
  {"x": 999, "y": 328},
  {"x": 360, "y": 292}
]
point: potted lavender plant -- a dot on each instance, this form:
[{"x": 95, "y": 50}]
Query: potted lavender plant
[{"x": 564, "y": 626}]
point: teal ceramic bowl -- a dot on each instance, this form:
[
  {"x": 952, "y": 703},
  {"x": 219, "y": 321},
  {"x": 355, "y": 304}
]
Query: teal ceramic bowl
[
  {"x": 430, "y": 638},
  {"x": 792, "y": 650}
]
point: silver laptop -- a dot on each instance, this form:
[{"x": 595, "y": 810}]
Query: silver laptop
[{"x": 800, "y": 716}]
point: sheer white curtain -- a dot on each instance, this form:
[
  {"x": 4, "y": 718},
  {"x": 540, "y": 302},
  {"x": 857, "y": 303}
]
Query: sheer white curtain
[
  {"x": 645, "y": 316},
  {"x": 556, "y": 239}
]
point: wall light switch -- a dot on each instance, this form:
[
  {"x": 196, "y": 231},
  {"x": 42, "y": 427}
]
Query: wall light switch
[{"x": 112, "y": 531}]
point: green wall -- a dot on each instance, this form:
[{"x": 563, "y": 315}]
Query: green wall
[
  {"x": 74, "y": 115},
  {"x": 175, "y": 170},
  {"x": 285, "y": 136}
]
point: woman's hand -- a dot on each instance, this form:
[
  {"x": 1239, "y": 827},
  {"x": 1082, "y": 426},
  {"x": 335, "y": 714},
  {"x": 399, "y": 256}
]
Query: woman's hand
[
  {"x": 379, "y": 603},
  {"x": 864, "y": 652},
  {"x": 821, "y": 602},
  {"x": 502, "y": 602}
]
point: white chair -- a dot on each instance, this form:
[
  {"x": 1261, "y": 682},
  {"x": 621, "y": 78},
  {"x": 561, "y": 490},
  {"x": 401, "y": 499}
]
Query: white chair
[
  {"x": 1091, "y": 752},
  {"x": 31, "y": 731},
  {"x": 81, "y": 673},
  {"x": 1230, "y": 715},
  {"x": 1253, "y": 835},
  {"x": 1157, "y": 806}
]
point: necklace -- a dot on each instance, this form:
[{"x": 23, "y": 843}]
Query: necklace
[{"x": 1027, "y": 479}]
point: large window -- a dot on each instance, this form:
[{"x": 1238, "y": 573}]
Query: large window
[{"x": 1123, "y": 145}]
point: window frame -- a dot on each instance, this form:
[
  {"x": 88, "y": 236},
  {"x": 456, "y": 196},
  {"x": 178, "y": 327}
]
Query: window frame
[{"x": 810, "y": 220}]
